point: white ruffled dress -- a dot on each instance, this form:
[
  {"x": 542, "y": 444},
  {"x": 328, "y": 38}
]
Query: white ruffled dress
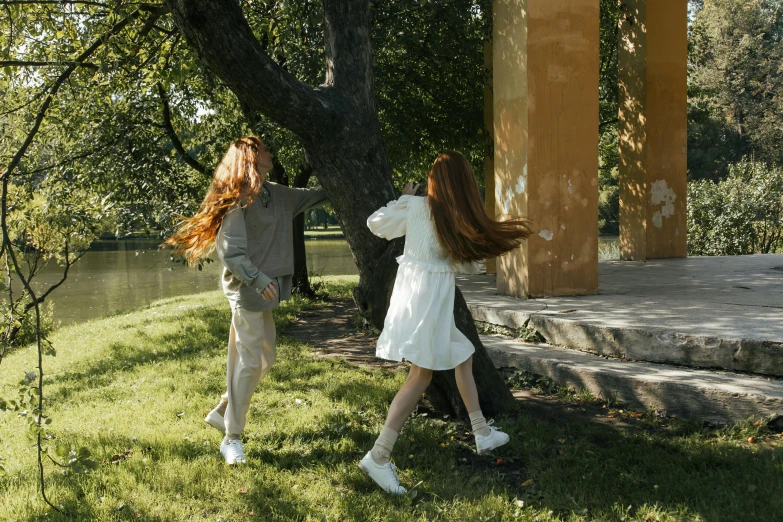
[{"x": 420, "y": 325}]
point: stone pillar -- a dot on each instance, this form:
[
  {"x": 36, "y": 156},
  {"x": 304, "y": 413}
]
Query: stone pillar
[
  {"x": 489, "y": 155},
  {"x": 652, "y": 128},
  {"x": 545, "y": 86}
]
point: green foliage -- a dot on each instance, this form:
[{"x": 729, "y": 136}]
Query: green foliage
[
  {"x": 56, "y": 218},
  {"x": 742, "y": 214},
  {"x": 735, "y": 84},
  {"x": 25, "y": 323},
  {"x": 609, "y": 202},
  {"x": 429, "y": 81},
  {"x": 608, "y": 147}
]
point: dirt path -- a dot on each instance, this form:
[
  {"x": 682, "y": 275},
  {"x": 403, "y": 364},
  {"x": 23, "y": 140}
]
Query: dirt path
[{"x": 331, "y": 332}]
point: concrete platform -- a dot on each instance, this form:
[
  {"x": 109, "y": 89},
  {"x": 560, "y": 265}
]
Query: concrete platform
[
  {"x": 709, "y": 312},
  {"x": 716, "y": 397}
]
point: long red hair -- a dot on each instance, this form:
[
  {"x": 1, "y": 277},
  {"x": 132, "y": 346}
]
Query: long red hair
[
  {"x": 236, "y": 180},
  {"x": 463, "y": 226}
]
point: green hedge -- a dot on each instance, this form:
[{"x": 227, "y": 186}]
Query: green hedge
[{"x": 742, "y": 214}]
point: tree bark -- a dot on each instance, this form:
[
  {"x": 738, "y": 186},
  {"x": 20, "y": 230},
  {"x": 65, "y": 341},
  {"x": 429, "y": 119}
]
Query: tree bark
[
  {"x": 338, "y": 126},
  {"x": 301, "y": 279},
  {"x": 300, "y": 282}
]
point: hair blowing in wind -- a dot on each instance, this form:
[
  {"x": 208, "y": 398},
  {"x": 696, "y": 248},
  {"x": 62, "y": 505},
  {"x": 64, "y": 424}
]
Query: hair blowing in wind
[
  {"x": 236, "y": 180},
  {"x": 463, "y": 226}
]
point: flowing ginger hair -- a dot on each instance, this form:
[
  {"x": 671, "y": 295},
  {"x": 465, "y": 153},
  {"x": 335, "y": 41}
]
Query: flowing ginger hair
[
  {"x": 464, "y": 229},
  {"x": 236, "y": 180}
]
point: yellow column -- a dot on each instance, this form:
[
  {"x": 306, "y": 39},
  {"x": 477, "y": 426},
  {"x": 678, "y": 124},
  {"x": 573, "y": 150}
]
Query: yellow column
[
  {"x": 652, "y": 127},
  {"x": 545, "y": 86},
  {"x": 489, "y": 155}
]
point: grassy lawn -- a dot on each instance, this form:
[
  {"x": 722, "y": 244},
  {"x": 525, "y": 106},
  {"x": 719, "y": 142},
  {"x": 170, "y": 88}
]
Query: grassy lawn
[
  {"x": 134, "y": 389},
  {"x": 334, "y": 231}
]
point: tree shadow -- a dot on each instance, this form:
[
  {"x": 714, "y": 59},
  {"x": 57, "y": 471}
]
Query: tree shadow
[{"x": 187, "y": 345}]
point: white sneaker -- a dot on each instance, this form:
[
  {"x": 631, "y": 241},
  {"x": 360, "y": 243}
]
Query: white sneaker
[
  {"x": 216, "y": 420},
  {"x": 232, "y": 451},
  {"x": 385, "y": 475},
  {"x": 495, "y": 439}
]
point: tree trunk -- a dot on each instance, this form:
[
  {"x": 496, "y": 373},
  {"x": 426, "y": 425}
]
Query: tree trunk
[
  {"x": 338, "y": 127},
  {"x": 300, "y": 282},
  {"x": 301, "y": 279},
  {"x": 493, "y": 394}
]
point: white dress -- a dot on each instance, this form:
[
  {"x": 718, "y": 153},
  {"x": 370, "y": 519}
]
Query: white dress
[{"x": 419, "y": 325}]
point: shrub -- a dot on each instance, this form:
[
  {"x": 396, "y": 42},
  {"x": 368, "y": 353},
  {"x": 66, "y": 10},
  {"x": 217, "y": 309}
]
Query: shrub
[{"x": 743, "y": 214}]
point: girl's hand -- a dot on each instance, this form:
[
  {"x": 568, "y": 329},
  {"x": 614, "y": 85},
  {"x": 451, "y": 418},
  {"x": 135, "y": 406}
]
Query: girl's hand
[
  {"x": 270, "y": 292},
  {"x": 410, "y": 189}
]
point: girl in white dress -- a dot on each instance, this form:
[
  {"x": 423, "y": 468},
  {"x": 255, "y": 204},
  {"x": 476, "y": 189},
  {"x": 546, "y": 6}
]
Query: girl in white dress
[{"x": 446, "y": 231}]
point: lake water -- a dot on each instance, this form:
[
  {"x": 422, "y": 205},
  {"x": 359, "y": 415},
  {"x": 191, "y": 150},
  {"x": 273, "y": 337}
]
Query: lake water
[
  {"x": 116, "y": 276},
  {"x": 124, "y": 275}
]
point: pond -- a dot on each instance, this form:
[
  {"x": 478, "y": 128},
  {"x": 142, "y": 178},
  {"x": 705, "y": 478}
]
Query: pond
[{"x": 117, "y": 276}]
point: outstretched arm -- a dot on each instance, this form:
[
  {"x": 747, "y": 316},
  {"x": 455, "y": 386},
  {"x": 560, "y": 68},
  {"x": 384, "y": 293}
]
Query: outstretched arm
[{"x": 307, "y": 198}]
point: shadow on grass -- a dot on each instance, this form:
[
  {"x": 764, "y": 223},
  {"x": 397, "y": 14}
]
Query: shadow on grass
[
  {"x": 206, "y": 334},
  {"x": 260, "y": 499},
  {"x": 596, "y": 468}
]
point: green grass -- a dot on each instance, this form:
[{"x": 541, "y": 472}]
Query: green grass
[
  {"x": 123, "y": 383},
  {"x": 334, "y": 231}
]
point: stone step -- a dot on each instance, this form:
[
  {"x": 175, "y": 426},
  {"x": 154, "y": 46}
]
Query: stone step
[
  {"x": 707, "y": 312},
  {"x": 571, "y": 329},
  {"x": 713, "y": 396}
]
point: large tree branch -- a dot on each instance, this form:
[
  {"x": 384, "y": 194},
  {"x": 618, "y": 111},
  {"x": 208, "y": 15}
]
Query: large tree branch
[
  {"x": 348, "y": 49},
  {"x": 24, "y": 63},
  {"x": 603, "y": 124},
  {"x": 172, "y": 134},
  {"x": 52, "y": 2},
  {"x": 222, "y": 38}
]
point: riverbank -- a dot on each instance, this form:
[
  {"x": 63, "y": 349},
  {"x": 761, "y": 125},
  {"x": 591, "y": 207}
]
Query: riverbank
[{"x": 134, "y": 388}]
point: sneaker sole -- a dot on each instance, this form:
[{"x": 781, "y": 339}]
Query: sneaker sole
[{"x": 215, "y": 424}]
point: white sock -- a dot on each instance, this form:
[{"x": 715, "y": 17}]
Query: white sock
[
  {"x": 479, "y": 423},
  {"x": 381, "y": 452},
  {"x": 221, "y": 407}
]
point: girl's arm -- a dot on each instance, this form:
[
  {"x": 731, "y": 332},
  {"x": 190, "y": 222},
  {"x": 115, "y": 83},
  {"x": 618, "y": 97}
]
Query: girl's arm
[
  {"x": 390, "y": 222},
  {"x": 307, "y": 198},
  {"x": 231, "y": 243}
]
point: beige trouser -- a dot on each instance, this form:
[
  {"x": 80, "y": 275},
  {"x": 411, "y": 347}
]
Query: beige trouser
[{"x": 251, "y": 353}]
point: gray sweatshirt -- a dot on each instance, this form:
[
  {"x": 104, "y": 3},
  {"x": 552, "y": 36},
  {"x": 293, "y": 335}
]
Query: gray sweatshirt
[{"x": 256, "y": 246}]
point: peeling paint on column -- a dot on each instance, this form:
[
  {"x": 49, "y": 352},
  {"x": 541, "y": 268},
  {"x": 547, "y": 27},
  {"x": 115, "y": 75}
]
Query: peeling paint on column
[
  {"x": 522, "y": 181},
  {"x": 662, "y": 194},
  {"x": 570, "y": 187},
  {"x": 546, "y": 234}
]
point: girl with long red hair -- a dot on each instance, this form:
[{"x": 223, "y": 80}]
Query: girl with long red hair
[
  {"x": 446, "y": 231},
  {"x": 249, "y": 221}
]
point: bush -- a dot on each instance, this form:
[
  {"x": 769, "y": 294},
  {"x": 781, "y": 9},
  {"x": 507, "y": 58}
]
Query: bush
[
  {"x": 742, "y": 214},
  {"x": 26, "y": 323}
]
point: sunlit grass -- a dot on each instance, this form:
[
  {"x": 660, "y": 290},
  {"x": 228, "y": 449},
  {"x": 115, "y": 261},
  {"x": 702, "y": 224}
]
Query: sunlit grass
[{"x": 134, "y": 389}]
